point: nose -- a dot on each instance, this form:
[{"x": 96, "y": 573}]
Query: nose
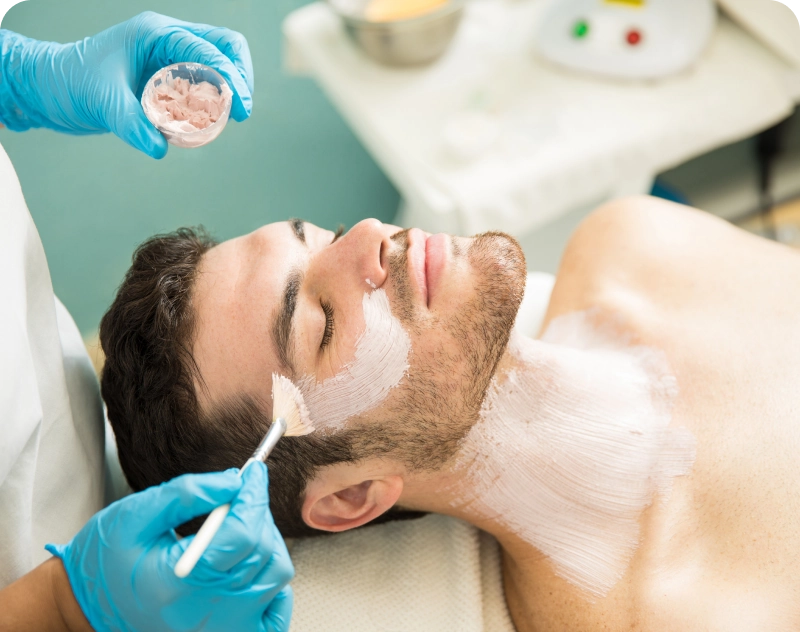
[{"x": 361, "y": 254}]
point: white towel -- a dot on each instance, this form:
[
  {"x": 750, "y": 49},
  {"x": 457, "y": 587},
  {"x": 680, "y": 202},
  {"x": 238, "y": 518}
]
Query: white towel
[{"x": 435, "y": 574}]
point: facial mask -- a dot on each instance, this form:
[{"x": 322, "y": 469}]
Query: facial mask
[
  {"x": 572, "y": 445},
  {"x": 380, "y": 362},
  {"x": 181, "y": 106}
]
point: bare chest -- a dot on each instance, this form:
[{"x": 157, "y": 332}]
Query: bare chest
[
  {"x": 725, "y": 550},
  {"x": 722, "y": 552}
]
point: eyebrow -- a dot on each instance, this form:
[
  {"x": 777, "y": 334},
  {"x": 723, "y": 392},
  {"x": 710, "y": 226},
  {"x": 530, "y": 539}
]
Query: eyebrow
[
  {"x": 283, "y": 326},
  {"x": 299, "y": 228}
]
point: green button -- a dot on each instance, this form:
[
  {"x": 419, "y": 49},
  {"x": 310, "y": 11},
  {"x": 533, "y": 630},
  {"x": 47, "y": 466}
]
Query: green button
[{"x": 581, "y": 29}]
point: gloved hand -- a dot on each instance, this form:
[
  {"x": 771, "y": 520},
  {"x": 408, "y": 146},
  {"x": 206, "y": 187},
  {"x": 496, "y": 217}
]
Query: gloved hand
[
  {"x": 121, "y": 564},
  {"x": 94, "y": 86}
]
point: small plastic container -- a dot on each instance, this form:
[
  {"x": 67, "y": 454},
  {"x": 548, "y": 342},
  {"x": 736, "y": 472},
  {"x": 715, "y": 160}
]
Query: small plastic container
[{"x": 175, "y": 131}]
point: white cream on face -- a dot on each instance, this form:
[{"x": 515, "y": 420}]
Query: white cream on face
[
  {"x": 380, "y": 362},
  {"x": 572, "y": 445}
]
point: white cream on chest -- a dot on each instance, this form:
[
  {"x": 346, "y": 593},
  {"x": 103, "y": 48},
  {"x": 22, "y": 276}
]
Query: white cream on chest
[{"x": 572, "y": 444}]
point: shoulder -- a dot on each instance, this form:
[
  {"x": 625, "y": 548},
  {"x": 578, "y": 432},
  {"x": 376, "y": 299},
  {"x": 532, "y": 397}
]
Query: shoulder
[
  {"x": 642, "y": 227},
  {"x": 629, "y": 247}
]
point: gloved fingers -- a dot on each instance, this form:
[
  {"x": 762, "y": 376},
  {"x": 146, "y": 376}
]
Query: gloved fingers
[
  {"x": 157, "y": 510},
  {"x": 232, "y": 44},
  {"x": 279, "y": 614},
  {"x": 183, "y": 46},
  {"x": 247, "y": 536},
  {"x": 126, "y": 118},
  {"x": 269, "y": 575},
  {"x": 269, "y": 571}
]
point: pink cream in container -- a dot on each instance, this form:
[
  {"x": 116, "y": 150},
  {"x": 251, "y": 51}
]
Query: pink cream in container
[{"x": 188, "y": 103}]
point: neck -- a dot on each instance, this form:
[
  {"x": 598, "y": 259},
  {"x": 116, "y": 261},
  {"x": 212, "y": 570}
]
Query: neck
[{"x": 571, "y": 445}]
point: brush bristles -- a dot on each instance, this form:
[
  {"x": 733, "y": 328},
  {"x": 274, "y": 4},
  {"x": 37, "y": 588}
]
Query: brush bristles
[{"x": 287, "y": 402}]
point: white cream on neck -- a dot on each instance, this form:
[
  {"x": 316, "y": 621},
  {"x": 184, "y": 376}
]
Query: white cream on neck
[
  {"x": 572, "y": 444},
  {"x": 380, "y": 362}
]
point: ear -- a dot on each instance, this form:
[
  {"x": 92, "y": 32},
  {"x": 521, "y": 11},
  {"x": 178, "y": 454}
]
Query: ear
[{"x": 344, "y": 508}]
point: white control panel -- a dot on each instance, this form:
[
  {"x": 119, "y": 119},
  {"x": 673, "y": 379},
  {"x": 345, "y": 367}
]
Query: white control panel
[{"x": 634, "y": 39}]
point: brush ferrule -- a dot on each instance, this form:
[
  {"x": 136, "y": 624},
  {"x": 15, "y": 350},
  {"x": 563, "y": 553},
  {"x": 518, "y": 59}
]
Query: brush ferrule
[{"x": 276, "y": 431}]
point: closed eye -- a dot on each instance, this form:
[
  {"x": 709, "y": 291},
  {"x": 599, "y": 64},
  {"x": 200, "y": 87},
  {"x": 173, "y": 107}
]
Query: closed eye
[
  {"x": 327, "y": 308},
  {"x": 327, "y": 335}
]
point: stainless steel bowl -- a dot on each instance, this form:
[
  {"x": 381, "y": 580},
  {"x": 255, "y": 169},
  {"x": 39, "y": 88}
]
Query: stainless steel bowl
[{"x": 408, "y": 42}]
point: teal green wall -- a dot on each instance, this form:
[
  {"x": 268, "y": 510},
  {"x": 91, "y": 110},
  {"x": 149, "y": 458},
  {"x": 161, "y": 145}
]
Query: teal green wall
[{"x": 94, "y": 199}]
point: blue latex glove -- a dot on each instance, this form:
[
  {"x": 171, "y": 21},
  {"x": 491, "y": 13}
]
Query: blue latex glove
[
  {"x": 94, "y": 86},
  {"x": 121, "y": 564}
]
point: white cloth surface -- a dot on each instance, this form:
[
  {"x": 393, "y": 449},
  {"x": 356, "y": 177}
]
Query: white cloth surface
[
  {"x": 557, "y": 140},
  {"x": 51, "y": 417},
  {"x": 530, "y": 317},
  {"x": 435, "y": 574},
  {"x": 771, "y": 22}
]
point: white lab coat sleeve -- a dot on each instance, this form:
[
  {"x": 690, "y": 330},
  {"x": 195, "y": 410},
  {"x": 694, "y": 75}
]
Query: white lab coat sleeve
[{"x": 51, "y": 423}]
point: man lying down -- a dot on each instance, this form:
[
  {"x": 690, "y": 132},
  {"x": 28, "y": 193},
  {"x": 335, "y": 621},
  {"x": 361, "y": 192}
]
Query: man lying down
[{"x": 637, "y": 463}]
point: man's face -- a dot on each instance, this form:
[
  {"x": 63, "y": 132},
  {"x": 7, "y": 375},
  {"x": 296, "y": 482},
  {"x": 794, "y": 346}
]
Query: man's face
[{"x": 288, "y": 298}]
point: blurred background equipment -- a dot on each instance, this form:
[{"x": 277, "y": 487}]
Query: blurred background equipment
[
  {"x": 401, "y": 32},
  {"x": 631, "y": 39},
  {"x": 492, "y": 136}
]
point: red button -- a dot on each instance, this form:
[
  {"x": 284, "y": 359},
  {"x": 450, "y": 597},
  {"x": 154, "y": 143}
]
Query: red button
[{"x": 634, "y": 37}]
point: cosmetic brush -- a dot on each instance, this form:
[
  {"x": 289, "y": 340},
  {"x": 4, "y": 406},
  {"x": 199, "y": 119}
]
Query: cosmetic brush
[{"x": 290, "y": 418}]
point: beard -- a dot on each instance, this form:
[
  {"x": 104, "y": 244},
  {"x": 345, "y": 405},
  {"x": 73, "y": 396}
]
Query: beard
[{"x": 433, "y": 409}]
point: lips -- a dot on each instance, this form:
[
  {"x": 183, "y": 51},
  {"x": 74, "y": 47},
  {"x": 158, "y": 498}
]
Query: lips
[
  {"x": 417, "y": 261},
  {"x": 427, "y": 257},
  {"x": 436, "y": 250}
]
